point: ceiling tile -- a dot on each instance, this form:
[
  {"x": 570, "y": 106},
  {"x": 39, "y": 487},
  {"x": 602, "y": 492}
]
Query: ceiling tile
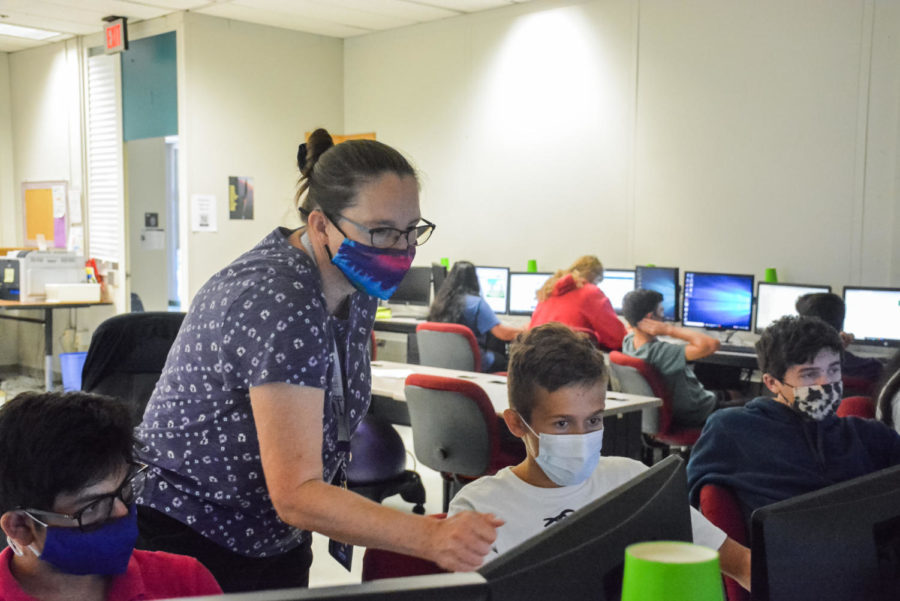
[
  {"x": 276, "y": 19},
  {"x": 467, "y": 6}
]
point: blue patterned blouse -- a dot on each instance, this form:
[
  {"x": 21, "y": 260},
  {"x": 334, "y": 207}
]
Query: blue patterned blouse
[{"x": 262, "y": 319}]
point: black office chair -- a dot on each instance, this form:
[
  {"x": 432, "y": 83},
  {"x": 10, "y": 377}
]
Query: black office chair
[{"x": 127, "y": 355}]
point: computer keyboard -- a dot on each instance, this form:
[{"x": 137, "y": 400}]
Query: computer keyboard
[{"x": 738, "y": 348}]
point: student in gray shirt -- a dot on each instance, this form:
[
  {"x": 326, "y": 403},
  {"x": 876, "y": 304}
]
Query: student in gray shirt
[{"x": 692, "y": 403}]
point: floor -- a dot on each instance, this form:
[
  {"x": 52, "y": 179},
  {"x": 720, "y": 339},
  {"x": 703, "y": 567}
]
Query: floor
[{"x": 325, "y": 570}]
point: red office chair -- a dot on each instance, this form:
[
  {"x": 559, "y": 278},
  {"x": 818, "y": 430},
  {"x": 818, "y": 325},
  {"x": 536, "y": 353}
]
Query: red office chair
[
  {"x": 854, "y": 386},
  {"x": 721, "y": 507},
  {"x": 378, "y": 563},
  {"x": 449, "y": 345},
  {"x": 856, "y": 406},
  {"x": 667, "y": 434},
  {"x": 456, "y": 431}
]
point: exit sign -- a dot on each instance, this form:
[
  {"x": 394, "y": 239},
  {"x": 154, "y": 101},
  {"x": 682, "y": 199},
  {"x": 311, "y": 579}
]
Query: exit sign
[{"x": 116, "y": 36}]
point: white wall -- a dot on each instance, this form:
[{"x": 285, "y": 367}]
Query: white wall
[
  {"x": 710, "y": 135},
  {"x": 8, "y": 330},
  {"x": 44, "y": 84},
  {"x": 7, "y": 193},
  {"x": 250, "y": 94}
]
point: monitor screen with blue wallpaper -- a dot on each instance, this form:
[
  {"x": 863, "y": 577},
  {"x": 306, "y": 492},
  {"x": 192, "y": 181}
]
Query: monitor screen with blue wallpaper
[
  {"x": 665, "y": 281},
  {"x": 721, "y": 301}
]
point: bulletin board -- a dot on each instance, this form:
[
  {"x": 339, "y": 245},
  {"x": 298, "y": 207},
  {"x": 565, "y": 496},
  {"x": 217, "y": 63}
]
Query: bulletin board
[
  {"x": 339, "y": 138},
  {"x": 44, "y": 213}
]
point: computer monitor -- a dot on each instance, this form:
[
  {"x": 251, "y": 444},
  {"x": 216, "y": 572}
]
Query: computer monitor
[
  {"x": 873, "y": 315},
  {"x": 494, "y": 283},
  {"x": 460, "y": 586},
  {"x": 718, "y": 301},
  {"x": 774, "y": 301},
  {"x": 586, "y": 550},
  {"x": 616, "y": 284},
  {"x": 523, "y": 289},
  {"x": 438, "y": 275},
  {"x": 414, "y": 289},
  {"x": 665, "y": 281},
  {"x": 839, "y": 542}
]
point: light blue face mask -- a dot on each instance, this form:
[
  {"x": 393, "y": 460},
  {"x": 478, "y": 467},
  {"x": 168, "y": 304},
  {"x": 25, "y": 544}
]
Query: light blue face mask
[{"x": 568, "y": 459}]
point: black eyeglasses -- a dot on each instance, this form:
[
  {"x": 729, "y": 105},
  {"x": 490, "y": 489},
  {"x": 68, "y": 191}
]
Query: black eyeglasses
[
  {"x": 387, "y": 237},
  {"x": 98, "y": 511}
]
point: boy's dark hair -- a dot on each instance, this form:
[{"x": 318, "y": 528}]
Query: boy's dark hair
[
  {"x": 550, "y": 356},
  {"x": 794, "y": 340},
  {"x": 638, "y": 303},
  {"x": 827, "y": 306},
  {"x": 53, "y": 443}
]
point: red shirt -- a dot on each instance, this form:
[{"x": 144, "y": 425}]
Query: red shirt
[
  {"x": 581, "y": 308},
  {"x": 150, "y": 575}
]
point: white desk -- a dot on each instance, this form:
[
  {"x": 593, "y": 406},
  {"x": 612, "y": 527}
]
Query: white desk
[
  {"x": 388, "y": 380},
  {"x": 622, "y": 419}
]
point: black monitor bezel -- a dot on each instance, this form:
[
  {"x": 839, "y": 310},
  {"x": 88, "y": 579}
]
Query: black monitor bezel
[
  {"x": 756, "y": 328},
  {"x": 418, "y": 302},
  {"x": 721, "y": 328},
  {"x": 509, "y": 287},
  {"x": 882, "y": 342},
  {"x": 506, "y": 304},
  {"x": 836, "y": 495},
  {"x": 605, "y": 269},
  {"x": 677, "y": 272},
  {"x": 537, "y": 562}
]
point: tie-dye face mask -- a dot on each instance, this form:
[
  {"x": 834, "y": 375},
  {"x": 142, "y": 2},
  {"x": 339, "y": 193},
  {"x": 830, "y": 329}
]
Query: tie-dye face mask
[{"x": 375, "y": 271}]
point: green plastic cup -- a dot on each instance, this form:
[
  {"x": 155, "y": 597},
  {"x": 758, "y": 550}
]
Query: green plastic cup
[
  {"x": 532, "y": 266},
  {"x": 671, "y": 571},
  {"x": 771, "y": 275}
]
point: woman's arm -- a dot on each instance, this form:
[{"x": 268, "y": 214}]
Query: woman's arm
[
  {"x": 505, "y": 332},
  {"x": 289, "y": 426}
]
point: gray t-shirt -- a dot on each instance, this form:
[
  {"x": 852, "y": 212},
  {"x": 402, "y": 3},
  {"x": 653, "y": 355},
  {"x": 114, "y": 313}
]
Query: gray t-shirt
[
  {"x": 691, "y": 403},
  {"x": 260, "y": 320}
]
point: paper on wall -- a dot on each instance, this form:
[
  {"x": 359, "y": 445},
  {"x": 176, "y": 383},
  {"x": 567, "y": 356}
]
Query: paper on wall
[{"x": 203, "y": 213}]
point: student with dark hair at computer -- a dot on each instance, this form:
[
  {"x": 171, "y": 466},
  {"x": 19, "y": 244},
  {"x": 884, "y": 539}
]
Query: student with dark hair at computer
[
  {"x": 459, "y": 301},
  {"x": 692, "y": 403},
  {"x": 67, "y": 487},
  {"x": 557, "y": 396},
  {"x": 887, "y": 394},
  {"x": 830, "y": 308},
  {"x": 571, "y": 297},
  {"x": 777, "y": 448}
]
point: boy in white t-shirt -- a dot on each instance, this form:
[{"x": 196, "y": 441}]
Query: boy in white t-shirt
[{"x": 557, "y": 395}]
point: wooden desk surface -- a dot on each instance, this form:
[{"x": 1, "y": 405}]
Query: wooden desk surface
[{"x": 389, "y": 378}]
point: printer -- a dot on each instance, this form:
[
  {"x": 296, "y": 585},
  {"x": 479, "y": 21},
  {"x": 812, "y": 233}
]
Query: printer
[{"x": 24, "y": 274}]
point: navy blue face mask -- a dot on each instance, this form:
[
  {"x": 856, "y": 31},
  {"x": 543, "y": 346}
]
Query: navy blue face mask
[{"x": 104, "y": 551}]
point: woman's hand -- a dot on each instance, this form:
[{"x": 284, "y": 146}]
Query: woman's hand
[{"x": 460, "y": 542}]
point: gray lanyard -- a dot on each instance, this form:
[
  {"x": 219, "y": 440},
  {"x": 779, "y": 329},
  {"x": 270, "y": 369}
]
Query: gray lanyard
[{"x": 338, "y": 404}]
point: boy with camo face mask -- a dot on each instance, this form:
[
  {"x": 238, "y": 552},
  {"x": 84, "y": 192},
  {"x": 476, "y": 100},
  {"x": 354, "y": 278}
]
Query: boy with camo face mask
[{"x": 792, "y": 442}]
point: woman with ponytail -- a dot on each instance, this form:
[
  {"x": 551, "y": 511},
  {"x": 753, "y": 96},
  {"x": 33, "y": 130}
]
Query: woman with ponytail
[
  {"x": 571, "y": 297},
  {"x": 247, "y": 432}
]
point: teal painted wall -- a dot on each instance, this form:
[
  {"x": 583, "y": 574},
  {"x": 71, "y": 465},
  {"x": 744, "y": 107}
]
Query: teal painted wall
[{"x": 149, "y": 88}]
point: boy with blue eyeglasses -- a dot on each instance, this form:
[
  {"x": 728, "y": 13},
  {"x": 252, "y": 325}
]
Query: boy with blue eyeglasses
[{"x": 557, "y": 396}]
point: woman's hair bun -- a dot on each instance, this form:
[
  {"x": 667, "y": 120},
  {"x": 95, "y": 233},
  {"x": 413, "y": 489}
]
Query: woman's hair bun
[{"x": 318, "y": 142}]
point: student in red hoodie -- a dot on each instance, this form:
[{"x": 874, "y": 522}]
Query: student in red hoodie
[{"x": 572, "y": 297}]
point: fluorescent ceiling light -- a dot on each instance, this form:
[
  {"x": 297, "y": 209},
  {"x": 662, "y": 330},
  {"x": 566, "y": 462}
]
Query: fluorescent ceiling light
[{"x": 17, "y": 31}]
